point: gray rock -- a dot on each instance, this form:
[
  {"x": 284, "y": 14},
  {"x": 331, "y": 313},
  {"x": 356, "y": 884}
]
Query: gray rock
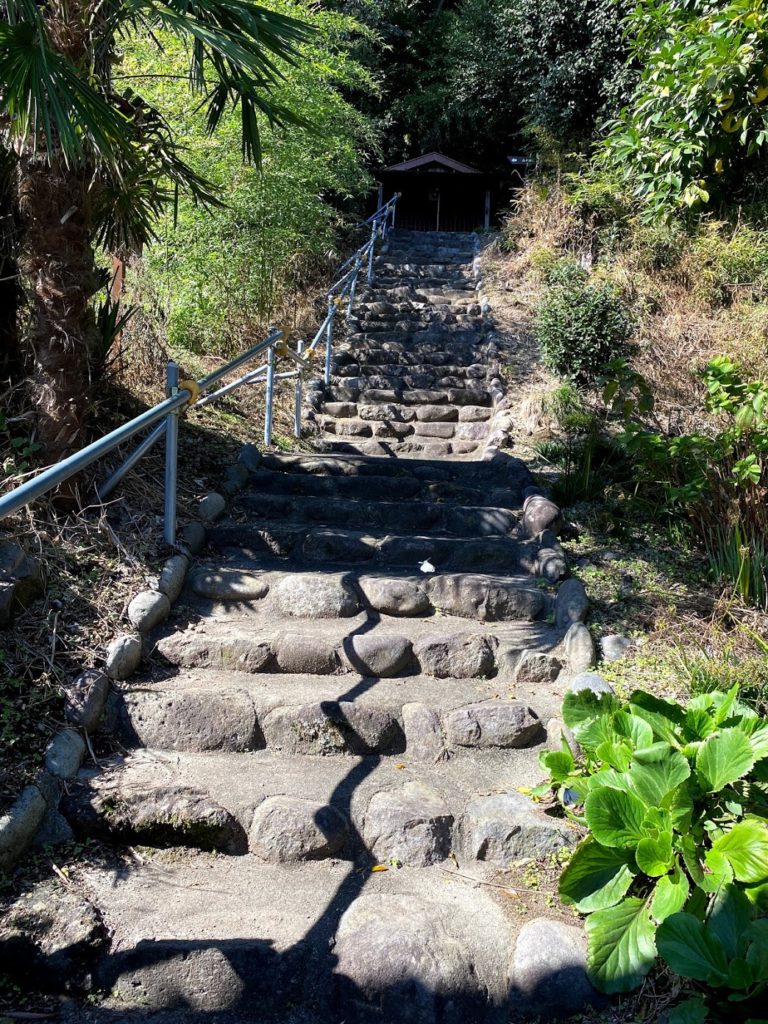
[
  {"x": 54, "y": 830},
  {"x": 173, "y": 976},
  {"x": 236, "y": 653},
  {"x": 614, "y": 647},
  {"x": 153, "y": 816},
  {"x": 85, "y": 698},
  {"x": 235, "y": 478},
  {"x": 474, "y": 414},
  {"x": 50, "y": 938},
  {"x": 493, "y": 723},
  {"x": 401, "y": 597},
  {"x": 557, "y": 731},
  {"x": 19, "y": 825},
  {"x": 456, "y": 655},
  {"x": 399, "y": 961},
  {"x": 212, "y": 507},
  {"x": 412, "y": 825},
  {"x": 123, "y": 657},
  {"x": 548, "y": 974},
  {"x": 289, "y": 830},
  {"x": 172, "y": 576},
  {"x": 572, "y": 603},
  {"x": 302, "y": 654},
  {"x": 436, "y": 413},
  {"x": 507, "y": 827},
  {"x": 148, "y": 609},
  {"x": 193, "y": 537},
  {"x": 590, "y": 681},
  {"x": 250, "y": 457},
  {"x": 423, "y": 734},
  {"x": 24, "y": 574},
  {"x": 64, "y": 754},
  {"x": 332, "y": 728},
  {"x": 472, "y": 431},
  {"x": 317, "y": 597},
  {"x": 378, "y": 656},
  {"x": 539, "y": 514},
  {"x": 192, "y": 720},
  {"x": 489, "y": 600},
  {"x": 536, "y": 667},
  {"x": 579, "y": 648},
  {"x": 551, "y": 564},
  {"x": 229, "y": 584}
]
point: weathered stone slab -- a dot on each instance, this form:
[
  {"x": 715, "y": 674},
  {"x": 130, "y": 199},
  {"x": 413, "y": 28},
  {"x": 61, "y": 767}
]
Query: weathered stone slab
[
  {"x": 317, "y": 597},
  {"x": 191, "y": 720},
  {"x": 493, "y": 723},
  {"x": 229, "y": 584},
  {"x": 477, "y": 597},
  {"x": 424, "y": 739},
  {"x": 548, "y": 974},
  {"x": 537, "y": 667},
  {"x": 64, "y": 754},
  {"x": 332, "y": 728},
  {"x": 456, "y": 655},
  {"x": 302, "y": 653},
  {"x": 380, "y": 656},
  {"x": 148, "y": 609},
  {"x": 506, "y": 827},
  {"x": 288, "y": 830},
  {"x": 580, "y": 648},
  {"x": 411, "y": 825},
  {"x": 123, "y": 657},
  {"x": 572, "y": 603},
  {"x": 85, "y": 698}
]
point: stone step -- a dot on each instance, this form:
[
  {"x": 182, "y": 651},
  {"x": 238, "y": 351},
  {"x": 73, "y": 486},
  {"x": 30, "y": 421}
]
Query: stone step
[
  {"x": 448, "y": 284},
  {"x": 202, "y": 938},
  {"x": 476, "y": 396},
  {"x": 406, "y": 449},
  {"x": 437, "y": 363},
  {"x": 388, "y": 488},
  {"x": 503, "y": 471},
  {"x": 210, "y": 709},
  {"x": 292, "y": 809},
  {"x": 438, "y": 335},
  {"x": 306, "y": 544},
  {"x": 463, "y": 521}
]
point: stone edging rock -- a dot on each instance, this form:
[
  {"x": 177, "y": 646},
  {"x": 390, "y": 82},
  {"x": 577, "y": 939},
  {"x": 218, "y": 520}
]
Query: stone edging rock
[{"x": 34, "y": 816}]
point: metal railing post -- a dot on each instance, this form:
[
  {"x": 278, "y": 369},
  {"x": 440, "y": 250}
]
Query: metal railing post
[
  {"x": 270, "y": 395},
  {"x": 329, "y": 341},
  {"x": 353, "y": 289},
  {"x": 171, "y": 457},
  {"x": 297, "y": 418},
  {"x": 372, "y": 253}
]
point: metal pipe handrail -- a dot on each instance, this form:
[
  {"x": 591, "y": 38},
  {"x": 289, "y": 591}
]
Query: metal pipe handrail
[{"x": 164, "y": 417}]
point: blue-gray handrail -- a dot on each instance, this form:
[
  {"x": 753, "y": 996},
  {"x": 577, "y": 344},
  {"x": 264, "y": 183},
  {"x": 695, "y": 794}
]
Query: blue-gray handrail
[{"x": 164, "y": 417}]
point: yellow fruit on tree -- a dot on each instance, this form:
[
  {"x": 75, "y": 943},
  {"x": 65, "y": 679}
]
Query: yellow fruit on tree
[
  {"x": 719, "y": 167},
  {"x": 725, "y": 101},
  {"x": 732, "y": 124},
  {"x": 760, "y": 94}
]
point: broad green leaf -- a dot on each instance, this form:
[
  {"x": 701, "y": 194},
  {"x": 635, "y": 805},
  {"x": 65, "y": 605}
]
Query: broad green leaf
[
  {"x": 558, "y": 764},
  {"x": 690, "y": 950},
  {"x": 757, "y": 958},
  {"x": 740, "y": 974},
  {"x": 656, "y": 771},
  {"x": 718, "y": 874},
  {"x": 729, "y": 919},
  {"x": 615, "y": 752},
  {"x": 724, "y": 758},
  {"x": 665, "y": 717},
  {"x": 615, "y": 817},
  {"x": 692, "y": 1011},
  {"x": 633, "y": 728},
  {"x": 757, "y": 730},
  {"x": 585, "y": 706},
  {"x": 654, "y": 855},
  {"x": 698, "y": 724},
  {"x": 657, "y": 820},
  {"x": 691, "y": 857},
  {"x": 745, "y": 848},
  {"x": 621, "y": 949},
  {"x": 595, "y": 877},
  {"x": 670, "y": 895}
]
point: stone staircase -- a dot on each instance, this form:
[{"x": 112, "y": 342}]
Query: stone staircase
[{"x": 327, "y": 750}]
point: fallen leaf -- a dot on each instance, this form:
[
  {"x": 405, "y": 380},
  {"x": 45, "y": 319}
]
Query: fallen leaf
[{"x": 379, "y": 867}]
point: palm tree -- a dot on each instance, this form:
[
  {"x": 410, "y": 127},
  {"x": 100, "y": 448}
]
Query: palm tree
[{"x": 95, "y": 165}]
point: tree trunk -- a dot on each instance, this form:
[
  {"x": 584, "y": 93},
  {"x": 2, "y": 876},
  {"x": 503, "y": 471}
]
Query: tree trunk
[
  {"x": 59, "y": 277},
  {"x": 10, "y": 291}
]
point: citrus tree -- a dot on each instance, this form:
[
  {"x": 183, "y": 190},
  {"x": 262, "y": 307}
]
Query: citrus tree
[{"x": 699, "y": 114}]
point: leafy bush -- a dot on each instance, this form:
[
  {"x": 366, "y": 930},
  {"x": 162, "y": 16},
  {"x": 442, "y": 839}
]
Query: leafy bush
[
  {"x": 716, "y": 479},
  {"x": 675, "y": 799},
  {"x": 581, "y": 328},
  {"x": 567, "y": 273}
]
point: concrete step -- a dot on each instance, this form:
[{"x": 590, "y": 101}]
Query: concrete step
[
  {"x": 204, "y": 939},
  {"x": 292, "y": 809},
  {"x": 405, "y": 449},
  {"x": 367, "y": 395}
]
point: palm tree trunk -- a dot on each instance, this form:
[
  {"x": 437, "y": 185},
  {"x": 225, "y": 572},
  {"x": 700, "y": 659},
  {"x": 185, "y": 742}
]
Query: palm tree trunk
[
  {"x": 10, "y": 292},
  {"x": 56, "y": 260}
]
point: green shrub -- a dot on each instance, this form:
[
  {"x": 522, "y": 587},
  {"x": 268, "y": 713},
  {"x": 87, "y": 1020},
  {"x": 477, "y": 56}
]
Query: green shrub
[
  {"x": 660, "y": 246},
  {"x": 675, "y": 799},
  {"x": 566, "y": 273},
  {"x": 581, "y": 328}
]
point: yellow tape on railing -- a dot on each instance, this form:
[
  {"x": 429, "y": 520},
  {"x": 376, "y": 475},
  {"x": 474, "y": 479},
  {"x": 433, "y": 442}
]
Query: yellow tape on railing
[
  {"x": 192, "y": 388},
  {"x": 281, "y": 349}
]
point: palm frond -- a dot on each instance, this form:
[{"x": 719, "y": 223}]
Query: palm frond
[{"x": 47, "y": 101}]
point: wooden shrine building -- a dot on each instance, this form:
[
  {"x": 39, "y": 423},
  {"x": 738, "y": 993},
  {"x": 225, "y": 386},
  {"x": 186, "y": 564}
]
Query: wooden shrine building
[{"x": 440, "y": 194}]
